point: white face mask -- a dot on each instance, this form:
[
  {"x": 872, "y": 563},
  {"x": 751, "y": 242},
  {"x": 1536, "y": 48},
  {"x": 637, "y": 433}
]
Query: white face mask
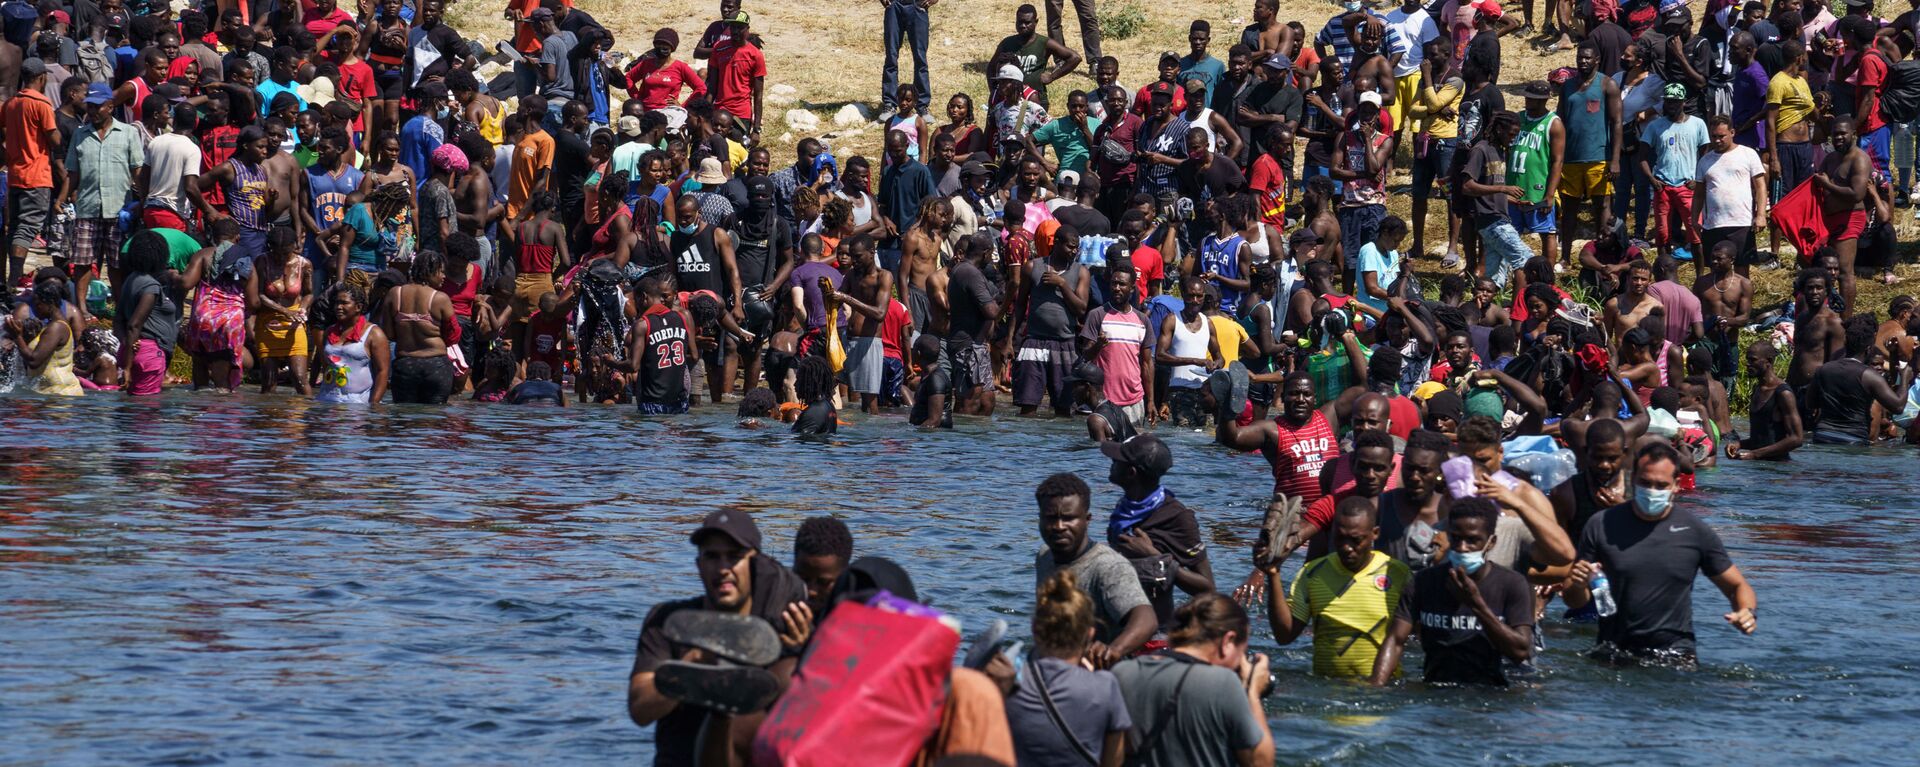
[
  {"x": 1650, "y": 503},
  {"x": 1351, "y": 5}
]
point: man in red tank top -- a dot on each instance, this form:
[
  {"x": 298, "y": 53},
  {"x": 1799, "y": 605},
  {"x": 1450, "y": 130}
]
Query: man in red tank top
[{"x": 1297, "y": 443}]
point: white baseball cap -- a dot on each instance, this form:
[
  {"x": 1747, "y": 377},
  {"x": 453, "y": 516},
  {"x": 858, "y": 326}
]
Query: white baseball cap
[
  {"x": 1370, "y": 97},
  {"x": 1010, "y": 72}
]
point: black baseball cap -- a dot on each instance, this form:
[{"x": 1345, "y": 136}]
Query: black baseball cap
[
  {"x": 732, "y": 523},
  {"x": 1144, "y": 453},
  {"x": 1088, "y": 373}
]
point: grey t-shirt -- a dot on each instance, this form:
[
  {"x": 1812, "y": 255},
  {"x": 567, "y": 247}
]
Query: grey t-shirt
[
  {"x": 1104, "y": 575},
  {"x": 163, "y": 323},
  {"x": 1048, "y": 316},
  {"x": 1089, "y": 703},
  {"x": 1512, "y": 540},
  {"x": 1650, "y": 567},
  {"x": 554, "y": 52},
  {"x": 1210, "y": 721}
]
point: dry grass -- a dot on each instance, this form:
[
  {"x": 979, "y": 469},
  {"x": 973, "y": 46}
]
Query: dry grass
[{"x": 831, "y": 55}]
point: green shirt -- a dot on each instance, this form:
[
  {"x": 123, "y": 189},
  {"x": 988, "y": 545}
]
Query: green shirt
[
  {"x": 180, "y": 247},
  {"x": 1331, "y": 372},
  {"x": 1069, "y": 145},
  {"x": 1531, "y": 156},
  {"x": 105, "y": 166}
]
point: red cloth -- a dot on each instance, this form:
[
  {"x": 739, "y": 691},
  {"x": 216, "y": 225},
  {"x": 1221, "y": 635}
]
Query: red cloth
[
  {"x": 1271, "y": 183},
  {"x": 1797, "y": 216},
  {"x": 870, "y": 690}
]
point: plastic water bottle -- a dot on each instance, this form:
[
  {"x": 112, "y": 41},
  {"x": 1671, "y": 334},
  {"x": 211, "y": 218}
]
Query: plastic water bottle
[{"x": 1602, "y": 595}]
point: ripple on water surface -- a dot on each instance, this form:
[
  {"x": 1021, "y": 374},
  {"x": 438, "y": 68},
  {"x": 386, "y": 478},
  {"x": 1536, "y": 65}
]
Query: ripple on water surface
[{"x": 206, "y": 580}]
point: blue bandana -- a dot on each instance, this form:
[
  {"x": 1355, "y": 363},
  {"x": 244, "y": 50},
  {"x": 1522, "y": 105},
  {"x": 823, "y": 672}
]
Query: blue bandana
[{"x": 1129, "y": 513}]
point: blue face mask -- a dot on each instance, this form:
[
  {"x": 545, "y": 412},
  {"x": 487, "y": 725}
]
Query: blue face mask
[
  {"x": 1469, "y": 561},
  {"x": 1650, "y": 503},
  {"x": 442, "y": 114}
]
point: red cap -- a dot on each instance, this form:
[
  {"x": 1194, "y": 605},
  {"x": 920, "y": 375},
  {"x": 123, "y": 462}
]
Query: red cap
[{"x": 61, "y": 17}]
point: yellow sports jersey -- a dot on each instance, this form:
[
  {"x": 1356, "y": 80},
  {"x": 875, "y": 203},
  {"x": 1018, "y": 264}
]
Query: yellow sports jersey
[
  {"x": 1231, "y": 335},
  {"x": 1350, "y": 612}
]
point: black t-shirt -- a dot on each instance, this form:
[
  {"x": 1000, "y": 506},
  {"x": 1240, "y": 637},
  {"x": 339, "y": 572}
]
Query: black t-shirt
[
  {"x": 1456, "y": 644},
  {"x": 577, "y": 20},
  {"x": 1477, "y": 109},
  {"x": 1269, "y": 98},
  {"x": 1650, "y": 567},
  {"x": 968, "y": 294},
  {"x": 1084, "y": 220},
  {"x": 818, "y": 418},
  {"x": 571, "y": 165},
  {"x": 1219, "y": 179},
  {"x": 714, "y": 145},
  {"x": 1484, "y": 50},
  {"x": 1175, "y": 532},
  {"x": 757, "y": 246},
  {"x": 1487, "y": 165},
  {"x": 1612, "y": 40},
  {"x": 774, "y": 587},
  {"x": 936, "y": 381},
  {"x": 451, "y": 46}
]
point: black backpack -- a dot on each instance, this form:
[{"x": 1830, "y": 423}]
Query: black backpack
[{"x": 1900, "y": 96}]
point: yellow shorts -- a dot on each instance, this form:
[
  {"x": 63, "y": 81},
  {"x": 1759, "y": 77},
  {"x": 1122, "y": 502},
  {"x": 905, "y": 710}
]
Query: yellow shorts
[
  {"x": 1585, "y": 179},
  {"x": 1405, "y": 90}
]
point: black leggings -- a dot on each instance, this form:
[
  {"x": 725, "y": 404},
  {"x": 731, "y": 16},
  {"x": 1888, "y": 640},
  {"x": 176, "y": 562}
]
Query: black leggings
[{"x": 422, "y": 380}]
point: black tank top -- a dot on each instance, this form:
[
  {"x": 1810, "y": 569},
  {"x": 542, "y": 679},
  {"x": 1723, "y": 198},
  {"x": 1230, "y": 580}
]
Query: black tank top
[
  {"x": 697, "y": 261},
  {"x": 1765, "y": 426},
  {"x": 663, "y": 360},
  {"x": 1845, "y": 405}
]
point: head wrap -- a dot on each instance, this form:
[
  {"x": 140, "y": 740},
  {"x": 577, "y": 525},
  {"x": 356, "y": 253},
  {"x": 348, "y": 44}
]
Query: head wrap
[{"x": 449, "y": 158}]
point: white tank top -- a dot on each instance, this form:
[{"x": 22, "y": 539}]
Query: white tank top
[
  {"x": 1192, "y": 344},
  {"x": 1258, "y": 250},
  {"x": 1204, "y": 121}
]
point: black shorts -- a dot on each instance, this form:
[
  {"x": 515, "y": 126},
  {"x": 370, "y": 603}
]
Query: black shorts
[
  {"x": 422, "y": 380},
  {"x": 1742, "y": 238}
]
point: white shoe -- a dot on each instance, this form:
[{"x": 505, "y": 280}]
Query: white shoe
[
  {"x": 1452, "y": 261},
  {"x": 1913, "y": 197}
]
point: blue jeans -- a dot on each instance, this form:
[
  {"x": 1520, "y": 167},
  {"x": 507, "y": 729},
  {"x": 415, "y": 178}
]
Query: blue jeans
[
  {"x": 905, "y": 17},
  {"x": 1635, "y": 189},
  {"x": 1501, "y": 249},
  {"x": 526, "y": 78}
]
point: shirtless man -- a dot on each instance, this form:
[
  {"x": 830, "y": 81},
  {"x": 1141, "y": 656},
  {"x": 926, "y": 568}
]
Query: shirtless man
[
  {"x": 1842, "y": 180},
  {"x": 1625, "y": 311},
  {"x": 1817, "y": 333},
  {"x": 1317, "y": 204},
  {"x": 1370, "y": 64},
  {"x": 1484, "y": 308},
  {"x": 285, "y": 177},
  {"x": 1726, "y": 300},
  {"x": 473, "y": 198},
  {"x": 1899, "y": 314},
  {"x": 920, "y": 250},
  {"x": 866, "y": 290}
]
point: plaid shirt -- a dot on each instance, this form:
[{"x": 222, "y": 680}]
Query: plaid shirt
[{"x": 104, "y": 166}]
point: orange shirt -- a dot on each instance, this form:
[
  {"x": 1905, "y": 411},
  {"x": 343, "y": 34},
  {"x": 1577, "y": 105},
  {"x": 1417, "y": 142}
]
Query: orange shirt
[
  {"x": 530, "y": 156},
  {"x": 525, "y": 40},
  {"x": 26, "y": 118}
]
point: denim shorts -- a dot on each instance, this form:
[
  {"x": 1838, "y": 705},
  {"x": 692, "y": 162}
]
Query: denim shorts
[{"x": 1504, "y": 250}]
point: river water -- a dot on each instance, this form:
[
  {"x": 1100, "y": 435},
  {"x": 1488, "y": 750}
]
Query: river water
[{"x": 201, "y": 580}]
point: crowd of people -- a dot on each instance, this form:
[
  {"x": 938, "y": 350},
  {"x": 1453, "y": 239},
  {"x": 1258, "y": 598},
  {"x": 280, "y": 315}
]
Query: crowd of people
[
  {"x": 337, "y": 204},
  {"x": 341, "y": 203}
]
